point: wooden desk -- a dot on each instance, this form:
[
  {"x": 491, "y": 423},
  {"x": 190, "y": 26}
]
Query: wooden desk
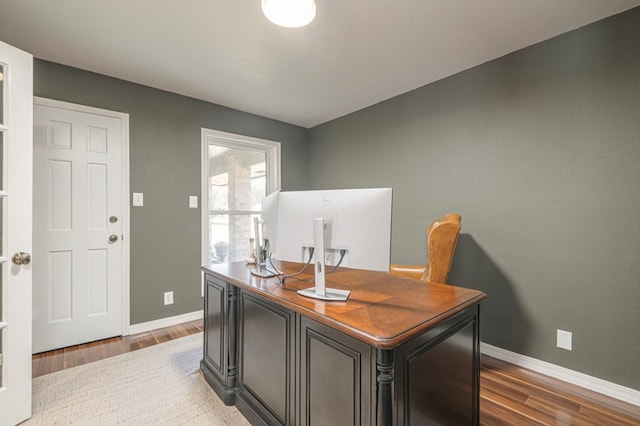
[{"x": 399, "y": 351}]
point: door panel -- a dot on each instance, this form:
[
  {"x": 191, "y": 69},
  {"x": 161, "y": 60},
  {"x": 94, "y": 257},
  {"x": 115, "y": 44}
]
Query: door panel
[
  {"x": 59, "y": 280},
  {"x": 99, "y": 285},
  {"x": 78, "y": 187},
  {"x": 16, "y": 150}
]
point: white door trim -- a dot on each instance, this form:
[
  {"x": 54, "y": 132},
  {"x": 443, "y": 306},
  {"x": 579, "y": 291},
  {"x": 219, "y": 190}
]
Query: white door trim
[{"x": 124, "y": 117}]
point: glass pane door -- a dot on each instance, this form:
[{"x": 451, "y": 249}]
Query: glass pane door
[
  {"x": 3, "y": 259},
  {"x": 16, "y": 166}
]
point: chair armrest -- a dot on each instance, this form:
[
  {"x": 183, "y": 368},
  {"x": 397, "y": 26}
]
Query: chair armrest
[{"x": 410, "y": 271}]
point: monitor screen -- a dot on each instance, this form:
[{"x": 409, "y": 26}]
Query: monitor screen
[{"x": 358, "y": 224}]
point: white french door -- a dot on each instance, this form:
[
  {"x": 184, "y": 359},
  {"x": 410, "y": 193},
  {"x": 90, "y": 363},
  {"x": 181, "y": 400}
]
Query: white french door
[
  {"x": 16, "y": 149},
  {"x": 79, "y": 224}
]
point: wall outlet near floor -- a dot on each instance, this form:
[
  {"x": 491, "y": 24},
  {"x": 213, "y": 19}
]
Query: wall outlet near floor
[
  {"x": 168, "y": 298},
  {"x": 564, "y": 339}
]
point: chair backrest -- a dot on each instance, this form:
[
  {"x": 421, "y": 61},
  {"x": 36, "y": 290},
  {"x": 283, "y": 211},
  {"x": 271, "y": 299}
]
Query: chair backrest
[{"x": 442, "y": 237}]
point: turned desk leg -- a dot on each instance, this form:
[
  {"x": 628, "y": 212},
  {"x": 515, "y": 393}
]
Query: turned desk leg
[
  {"x": 232, "y": 369},
  {"x": 384, "y": 379}
]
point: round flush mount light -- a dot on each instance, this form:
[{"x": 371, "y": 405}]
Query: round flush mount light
[{"x": 289, "y": 13}]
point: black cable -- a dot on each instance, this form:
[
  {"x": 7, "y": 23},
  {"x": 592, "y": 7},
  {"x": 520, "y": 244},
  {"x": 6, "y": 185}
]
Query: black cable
[
  {"x": 343, "y": 252},
  {"x": 308, "y": 280},
  {"x": 285, "y": 276},
  {"x": 275, "y": 273},
  {"x": 304, "y": 280}
]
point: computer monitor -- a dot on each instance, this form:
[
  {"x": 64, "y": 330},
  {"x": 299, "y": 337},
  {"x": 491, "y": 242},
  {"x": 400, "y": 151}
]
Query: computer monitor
[
  {"x": 261, "y": 249},
  {"x": 358, "y": 224},
  {"x": 269, "y": 216}
]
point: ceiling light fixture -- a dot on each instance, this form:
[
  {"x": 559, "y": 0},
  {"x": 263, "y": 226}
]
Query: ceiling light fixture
[{"x": 289, "y": 13}]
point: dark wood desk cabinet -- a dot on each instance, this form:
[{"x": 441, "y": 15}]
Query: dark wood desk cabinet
[{"x": 398, "y": 352}]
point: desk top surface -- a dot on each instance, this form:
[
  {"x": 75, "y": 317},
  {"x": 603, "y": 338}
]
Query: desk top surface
[{"x": 382, "y": 310}]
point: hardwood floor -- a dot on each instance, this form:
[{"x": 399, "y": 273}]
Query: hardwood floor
[
  {"x": 509, "y": 395},
  {"x": 59, "y": 359}
]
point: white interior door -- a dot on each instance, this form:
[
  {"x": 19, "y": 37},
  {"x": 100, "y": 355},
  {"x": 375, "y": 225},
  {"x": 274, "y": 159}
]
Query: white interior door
[
  {"x": 16, "y": 92},
  {"x": 78, "y": 224}
]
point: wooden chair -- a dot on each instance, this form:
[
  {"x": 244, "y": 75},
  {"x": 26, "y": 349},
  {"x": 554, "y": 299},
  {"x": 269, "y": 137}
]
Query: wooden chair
[{"x": 442, "y": 237}]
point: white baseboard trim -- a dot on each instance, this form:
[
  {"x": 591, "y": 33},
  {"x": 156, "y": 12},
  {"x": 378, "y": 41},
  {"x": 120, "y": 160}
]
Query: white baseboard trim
[
  {"x": 613, "y": 390},
  {"x": 165, "y": 322}
]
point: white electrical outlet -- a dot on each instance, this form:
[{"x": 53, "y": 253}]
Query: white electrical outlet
[
  {"x": 193, "y": 201},
  {"x": 168, "y": 298},
  {"x": 564, "y": 339}
]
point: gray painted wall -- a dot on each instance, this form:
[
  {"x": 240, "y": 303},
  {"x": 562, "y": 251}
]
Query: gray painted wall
[
  {"x": 538, "y": 150},
  {"x": 165, "y": 166},
  {"x": 540, "y": 153}
]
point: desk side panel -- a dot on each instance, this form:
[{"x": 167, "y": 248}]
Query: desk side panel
[
  {"x": 336, "y": 377},
  {"x": 215, "y": 325},
  {"x": 216, "y": 363},
  {"x": 438, "y": 374},
  {"x": 265, "y": 379}
]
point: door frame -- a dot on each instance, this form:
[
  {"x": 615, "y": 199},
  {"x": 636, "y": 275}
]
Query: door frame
[{"x": 126, "y": 207}]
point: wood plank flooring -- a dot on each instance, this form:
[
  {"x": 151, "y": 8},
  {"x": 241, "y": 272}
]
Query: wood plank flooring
[
  {"x": 509, "y": 395},
  {"x": 59, "y": 359}
]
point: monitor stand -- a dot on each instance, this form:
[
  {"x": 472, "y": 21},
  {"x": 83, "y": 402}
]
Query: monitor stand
[
  {"x": 329, "y": 294},
  {"x": 261, "y": 271},
  {"x": 320, "y": 291}
]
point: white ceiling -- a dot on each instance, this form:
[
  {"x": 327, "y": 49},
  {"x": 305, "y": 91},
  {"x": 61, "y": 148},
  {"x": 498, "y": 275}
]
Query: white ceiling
[{"x": 356, "y": 53}]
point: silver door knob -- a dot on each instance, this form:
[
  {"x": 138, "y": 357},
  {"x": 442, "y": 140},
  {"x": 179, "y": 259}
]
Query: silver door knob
[
  {"x": 113, "y": 219},
  {"x": 21, "y": 258},
  {"x": 113, "y": 238}
]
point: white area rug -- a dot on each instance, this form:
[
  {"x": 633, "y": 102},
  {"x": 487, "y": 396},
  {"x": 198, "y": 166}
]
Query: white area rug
[{"x": 157, "y": 385}]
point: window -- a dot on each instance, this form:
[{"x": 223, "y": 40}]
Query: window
[{"x": 237, "y": 173}]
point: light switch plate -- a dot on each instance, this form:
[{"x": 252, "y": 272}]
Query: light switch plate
[
  {"x": 138, "y": 199},
  {"x": 193, "y": 201}
]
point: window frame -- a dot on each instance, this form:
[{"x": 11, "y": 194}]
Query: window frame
[{"x": 230, "y": 140}]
